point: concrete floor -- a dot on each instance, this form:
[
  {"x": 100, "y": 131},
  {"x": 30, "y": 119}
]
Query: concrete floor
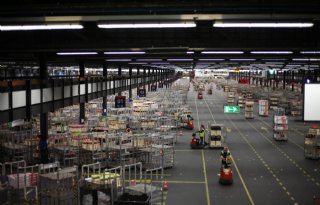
[{"x": 265, "y": 171}]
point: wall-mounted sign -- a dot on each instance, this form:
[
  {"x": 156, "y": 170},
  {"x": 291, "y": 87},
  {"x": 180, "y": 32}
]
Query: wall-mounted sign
[
  {"x": 142, "y": 92},
  {"x": 120, "y": 101}
]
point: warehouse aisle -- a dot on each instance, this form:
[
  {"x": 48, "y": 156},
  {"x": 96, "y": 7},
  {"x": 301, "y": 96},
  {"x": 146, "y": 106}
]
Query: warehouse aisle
[{"x": 265, "y": 171}]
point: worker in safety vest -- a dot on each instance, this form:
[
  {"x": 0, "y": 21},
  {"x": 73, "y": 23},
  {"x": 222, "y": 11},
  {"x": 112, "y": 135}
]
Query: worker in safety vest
[
  {"x": 225, "y": 157},
  {"x": 202, "y": 134}
]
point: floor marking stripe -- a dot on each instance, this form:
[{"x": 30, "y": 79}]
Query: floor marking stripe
[
  {"x": 203, "y": 160},
  {"x": 302, "y": 148},
  {"x": 283, "y": 153},
  {"x": 236, "y": 167}
]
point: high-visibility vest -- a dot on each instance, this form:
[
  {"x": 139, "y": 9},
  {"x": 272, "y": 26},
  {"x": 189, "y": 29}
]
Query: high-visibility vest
[{"x": 202, "y": 134}]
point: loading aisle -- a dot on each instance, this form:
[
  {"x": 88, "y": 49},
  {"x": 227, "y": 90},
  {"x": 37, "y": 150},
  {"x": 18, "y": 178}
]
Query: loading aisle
[{"x": 265, "y": 171}]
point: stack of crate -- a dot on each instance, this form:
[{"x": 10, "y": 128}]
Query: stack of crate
[
  {"x": 249, "y": 109},
  {"x": 312, "y": 143},
  {"x": 263, "y": 108}
]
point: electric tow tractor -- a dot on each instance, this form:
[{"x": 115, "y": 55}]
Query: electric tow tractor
[
  {"x": 216, "y": 137},
  {"x": 196, "y": 142},
  {"x": 186, "y": 121},
  {"x": 226, "y": 175}
]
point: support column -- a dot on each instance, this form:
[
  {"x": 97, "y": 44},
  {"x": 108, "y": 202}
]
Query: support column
[
  {"x": 149, "y": 74},
  {"x": 292, "y": 80},
  {"x": 130, "y": 83},
  {"x": 104, "y": 96},
  {"x": 43, "y": 148},
  {"x": 302, "y": 80},
  {"x": 120, "y": 77},
  {"x": 43, "y": 144},
  {"x": 144, "y": 78},
  {"x": 249, "y": 77},
  {"x": 274, "y": 80},
  {"x": 82, "y": 104},
  {"x": 284, "y": 80}
]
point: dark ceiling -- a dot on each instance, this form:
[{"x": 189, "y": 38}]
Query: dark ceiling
[{"x": 160, "y": 43}]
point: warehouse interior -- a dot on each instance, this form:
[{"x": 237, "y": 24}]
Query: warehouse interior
[{"x": 160, "y": 102}]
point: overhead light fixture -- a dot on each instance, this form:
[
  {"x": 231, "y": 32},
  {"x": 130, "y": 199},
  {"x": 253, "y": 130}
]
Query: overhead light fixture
[
  {"x": 147, "y": 25},
  {"x": 160, "y": 63},
  {"x": 306, "y": 59},
  {"x": 190, "y": 52},
  {"x": 271, "y": 52},
  {"x": 180, "y": 59},
  {"x": 118, "y": 60},
  {"x": 124, "y": 52},
  {"x": 262, "y": 25},
  {"x": 211, "y": 59},
  {"x": 221, "y": 52},
  {"x": 137, "y": 63},
  {"x": 76, "y": 53},
  {"x": 242, "y": 59},
  {"x": 310, "y": 52},
  {"x": 148, "y": 60},
  {"x": 274, "y": 59},
  {"x": 39, "y": 27}
]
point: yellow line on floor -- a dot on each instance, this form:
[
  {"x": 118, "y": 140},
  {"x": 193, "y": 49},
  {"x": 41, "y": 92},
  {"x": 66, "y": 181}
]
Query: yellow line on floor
[
  {"x": 184, "y": 150},
  {"x": 258, "y": 155},
  {"x": 304, "y": 172},
  {"x": 186, "y": 182},
  {"x": 237, "y": 169},
  {"x": 148, "y": 181},
  {"x": 203, "y": 161},
  {"x": 205, "y": 176},
  {"x": 302, "y": 148}
]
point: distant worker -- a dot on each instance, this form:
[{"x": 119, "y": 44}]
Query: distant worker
[
  {"x": 202, "y": 134},
  {"x": 225, "y": 157}
]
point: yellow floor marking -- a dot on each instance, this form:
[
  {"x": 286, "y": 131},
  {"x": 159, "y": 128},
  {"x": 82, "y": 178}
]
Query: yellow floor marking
[
  {"x": 302, "y": 148},
  {"x": 281, "y": 151},
  {"x": 205, "y": 177},
  {"x": 258, "y": 155},
  {"x": 203, "y": 161},
  {"x": 235, "y": 166},
  {"x": 242, "y": 181}
]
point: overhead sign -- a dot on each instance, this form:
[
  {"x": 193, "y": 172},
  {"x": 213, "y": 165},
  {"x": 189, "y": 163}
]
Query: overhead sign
[
  {"x": 142, "y": 92},
  {"x": 236, "y": 70},
  {"x": 231, "y": 109}
]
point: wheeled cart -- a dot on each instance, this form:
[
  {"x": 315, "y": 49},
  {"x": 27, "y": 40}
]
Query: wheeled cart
[
  {"x": 216, "y": 138},
  {"x": 249, "y": 109},
  {"x": 263, "y": 108},
  {"x": 312, "y": 143},
  {"x": 280, "y": 125}
]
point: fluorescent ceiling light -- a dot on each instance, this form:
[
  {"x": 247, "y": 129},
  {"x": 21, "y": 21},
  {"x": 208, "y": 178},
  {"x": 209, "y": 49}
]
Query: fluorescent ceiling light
[
  {"x": 291, "y": 65},
  {"x": 274, "y": 59},
  {"x": 263, "y": 25},
  {"x": 149, "y": 59},
  {"x": 221, "y": 52},
  {"x": 137, "y": 63},
  {"x": 211, "y": 59},
  {"x": 148, "y": 25},
  {"x": 306, "y": 59},
  {"x": 190, "y": 52},
  {"x": 310, "y": 52},
  {"x": 161, "y": 63},
  {"x": 243, "y": 59},
  {"x": 118, "y": 60},
  {"x": 124, "y": 52},
  {"x": 39, "y": 27},
  {"x": 271, "y": 52},
  {"x": 181, "y": 59},
  {"x": 76, "y": 53}
]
